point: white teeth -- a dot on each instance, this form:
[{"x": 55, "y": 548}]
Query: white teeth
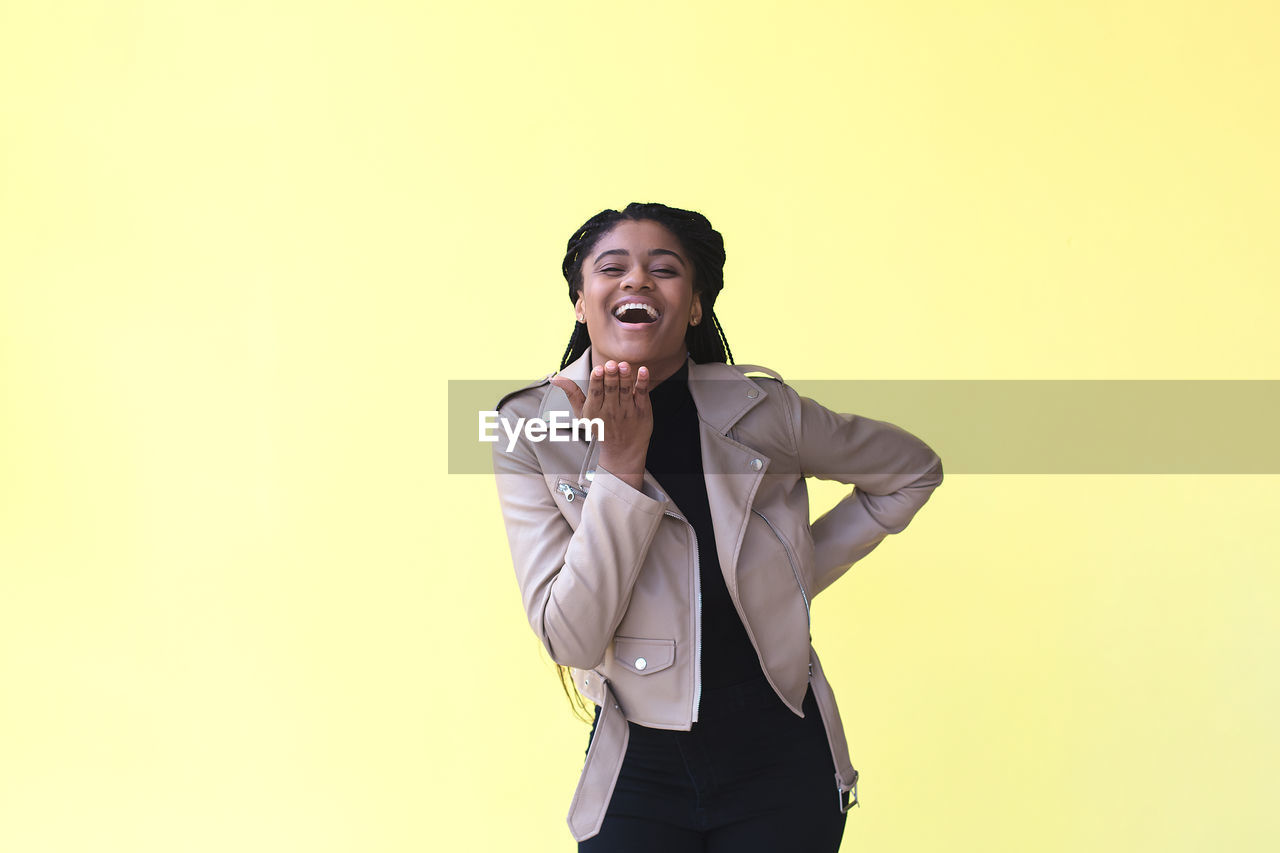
[{"x": 653, "y": 312}]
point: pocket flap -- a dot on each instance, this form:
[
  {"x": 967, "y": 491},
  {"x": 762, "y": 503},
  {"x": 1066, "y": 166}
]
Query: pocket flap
[{"x": 643, "y": 656}]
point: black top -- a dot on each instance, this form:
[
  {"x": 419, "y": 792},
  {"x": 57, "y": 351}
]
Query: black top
[{"x": 675, "y": 460}]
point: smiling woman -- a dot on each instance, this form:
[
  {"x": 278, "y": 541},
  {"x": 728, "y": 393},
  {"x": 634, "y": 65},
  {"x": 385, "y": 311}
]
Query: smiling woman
[
  {"x": 637, "y": 297},
  {"x": 617, "y": 259},
  {"x": 668, "y": 563}
]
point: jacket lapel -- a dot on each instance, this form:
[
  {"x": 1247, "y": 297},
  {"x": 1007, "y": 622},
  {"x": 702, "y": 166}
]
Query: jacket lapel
[{"x": 733, "y": 474}]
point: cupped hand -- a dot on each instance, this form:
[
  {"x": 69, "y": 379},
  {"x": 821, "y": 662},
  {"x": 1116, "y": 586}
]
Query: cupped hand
[{"x": 619, "y": 397}]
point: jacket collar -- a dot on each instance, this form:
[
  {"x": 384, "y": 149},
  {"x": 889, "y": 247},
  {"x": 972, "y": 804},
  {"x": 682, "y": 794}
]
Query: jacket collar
[{"x": 720, "y": 392}]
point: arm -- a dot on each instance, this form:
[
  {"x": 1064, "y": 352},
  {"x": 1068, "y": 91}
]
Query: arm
[
  {"x": 575, "y": 584},
  {"x": 893, "y": 472}
]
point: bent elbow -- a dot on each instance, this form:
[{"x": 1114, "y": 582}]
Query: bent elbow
[
  {"x": 570, "y": 648},
  {"x": 578, "y": 658},
  {"x": 933, "y": 477}
]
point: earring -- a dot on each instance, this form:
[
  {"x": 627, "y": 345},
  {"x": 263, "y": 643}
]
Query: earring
[{"x": 581, "y": 319}]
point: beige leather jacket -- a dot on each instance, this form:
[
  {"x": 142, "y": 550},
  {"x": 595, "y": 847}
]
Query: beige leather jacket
[{"x": 609, "y": 575}]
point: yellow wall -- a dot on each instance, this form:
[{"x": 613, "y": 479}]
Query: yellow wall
[{"x": 244, "y": 245}]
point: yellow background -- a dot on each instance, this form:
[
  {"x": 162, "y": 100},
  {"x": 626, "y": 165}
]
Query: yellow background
[{"x": 244, "y": 245}]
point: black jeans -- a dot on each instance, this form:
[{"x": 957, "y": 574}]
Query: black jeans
[{"x": 750, "y": 777}]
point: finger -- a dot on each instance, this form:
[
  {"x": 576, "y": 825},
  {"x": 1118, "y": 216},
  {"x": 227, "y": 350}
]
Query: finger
[
  {"x": 595, "y": 393},
  {"x": 611, "y": 385},
  {"x": 640, "y": 391},
  {"x": 642, "y": 381},
  {"x": 626, "y": 382},
  {"x": 572, "y": 391}
]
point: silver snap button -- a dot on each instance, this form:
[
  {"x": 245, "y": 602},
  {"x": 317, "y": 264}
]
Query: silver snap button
[
  {"x": 641, "y": 663},
  {"x": 756, "y": 464},
  {"x": 586, "y": 682},
  {"x": 753, "y": 393}
]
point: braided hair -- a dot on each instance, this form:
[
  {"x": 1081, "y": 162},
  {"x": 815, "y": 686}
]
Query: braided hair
[{"x": 706, "y": 341}]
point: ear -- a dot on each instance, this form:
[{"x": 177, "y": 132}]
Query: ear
[
  {"x": 579, "y": 309},
  {"x": 695, "y": 315}
]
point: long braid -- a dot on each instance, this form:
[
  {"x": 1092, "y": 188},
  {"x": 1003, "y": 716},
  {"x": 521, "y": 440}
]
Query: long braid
[
  {"x": 578, "y": 342},
  {"x": 728, "y": 352}
]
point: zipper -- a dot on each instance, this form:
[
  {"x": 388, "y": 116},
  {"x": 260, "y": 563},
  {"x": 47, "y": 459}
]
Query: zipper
[
  {"x": 794, "y": 570},
  {"x": 697, "y": 617},
  {"x": 569, "y": 490}
]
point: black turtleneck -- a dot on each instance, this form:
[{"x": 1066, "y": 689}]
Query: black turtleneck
[{"x": 675, "y": 461}]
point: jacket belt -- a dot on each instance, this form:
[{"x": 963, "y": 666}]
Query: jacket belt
[
  {"x": 600, "y": 771},
  {"x": 846, "y": 775}
]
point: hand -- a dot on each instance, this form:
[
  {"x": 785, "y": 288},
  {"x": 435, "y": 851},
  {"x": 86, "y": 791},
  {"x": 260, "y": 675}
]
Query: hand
[{"x": 621, "y": 401}]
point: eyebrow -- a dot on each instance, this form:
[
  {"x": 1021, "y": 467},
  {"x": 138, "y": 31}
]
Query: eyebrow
[{"x": 652, "y": 252}]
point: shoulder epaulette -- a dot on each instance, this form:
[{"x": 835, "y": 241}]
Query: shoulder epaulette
[
  {"x": 755, "y": 368},
  {"x": 546, "y": 380}
]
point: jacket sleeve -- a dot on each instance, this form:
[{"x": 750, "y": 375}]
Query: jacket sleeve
[
  {"x": 575, "y": 584},
  {"x": 893, "y": 473}
]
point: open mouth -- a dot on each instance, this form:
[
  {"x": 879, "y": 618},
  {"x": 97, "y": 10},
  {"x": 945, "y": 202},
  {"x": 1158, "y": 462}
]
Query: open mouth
[{"x": 639, "y": 313}]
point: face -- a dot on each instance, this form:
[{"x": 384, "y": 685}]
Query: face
[{"x": 642, "y": 265}]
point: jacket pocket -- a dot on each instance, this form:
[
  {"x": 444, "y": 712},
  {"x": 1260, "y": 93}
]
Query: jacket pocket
[{"x": 643, "y": 657}]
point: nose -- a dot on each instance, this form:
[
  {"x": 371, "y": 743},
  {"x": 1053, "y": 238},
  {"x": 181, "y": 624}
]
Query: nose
[{"x": 637, "y": 278}]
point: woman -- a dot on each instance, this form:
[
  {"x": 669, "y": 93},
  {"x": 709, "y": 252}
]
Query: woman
[{"x": 669, "y": 563}]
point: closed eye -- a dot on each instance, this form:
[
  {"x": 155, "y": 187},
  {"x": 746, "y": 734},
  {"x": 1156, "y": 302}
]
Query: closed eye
[{"x": 619, "y": 269}]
